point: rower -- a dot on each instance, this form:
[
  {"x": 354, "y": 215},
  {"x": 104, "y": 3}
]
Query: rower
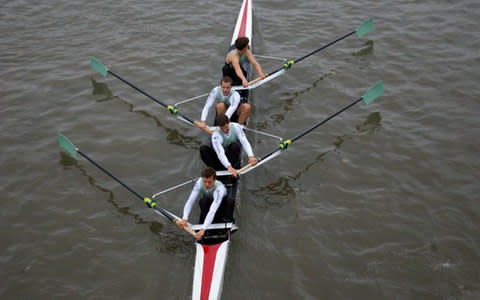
[
  {"x": 228, "y": 101},
  {"x": 215, "y": 206},
  {"x": 234, "y": 64},
  {"x": 227, "y": 141}
]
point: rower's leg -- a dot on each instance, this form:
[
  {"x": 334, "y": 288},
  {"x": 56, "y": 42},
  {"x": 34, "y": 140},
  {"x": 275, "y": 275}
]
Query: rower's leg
[
  {"x": 229, "y": 206},
  {"x": 243, "y": 112},
  {"x": 221, "y": 108},
  {"x": 225, "y": 211},
  {"x": 234, "y": 117},
  {"x": 233, "y": 154},
  {"x": 210, "y": 158},
  {"x": 205, "y": 204}
]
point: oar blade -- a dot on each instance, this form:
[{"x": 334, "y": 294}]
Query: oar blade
[
  {"x": 374, "y": 92},
  {"x": 96, "y": 65},
  {"x": 365, "y": 27},
  {"x": 67, "y": 145}
]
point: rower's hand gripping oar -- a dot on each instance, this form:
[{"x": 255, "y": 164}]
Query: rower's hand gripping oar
[
  {"x": 361, "y": 30},
  {"x": 374, "y": 92},
  {"x": 72, "y": 150},
  {"x": 96, "y": 65}
]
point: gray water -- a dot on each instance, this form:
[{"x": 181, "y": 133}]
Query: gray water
[{"x": 381, "y": 202}]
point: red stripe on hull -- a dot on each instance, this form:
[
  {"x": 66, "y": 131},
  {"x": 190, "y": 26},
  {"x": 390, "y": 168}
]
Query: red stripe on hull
[
  {"x": 243, "y": 27},
  {"x": 209, "y": 256}
]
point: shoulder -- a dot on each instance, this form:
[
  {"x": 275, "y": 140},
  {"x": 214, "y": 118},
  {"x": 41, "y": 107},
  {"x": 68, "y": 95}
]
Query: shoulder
[
  {"x": 219, "y": 183},
  {"x": 198, "y": 185},
  {"x": 216, "y": 137},
  {"x": 214, "y": 91},
  {"x": 220, "y": 186},
  {"x": 232, "y": 56}
]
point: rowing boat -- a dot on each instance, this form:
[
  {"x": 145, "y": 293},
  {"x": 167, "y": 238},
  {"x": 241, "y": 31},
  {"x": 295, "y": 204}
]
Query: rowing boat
[{"x": 212, "y": 250}]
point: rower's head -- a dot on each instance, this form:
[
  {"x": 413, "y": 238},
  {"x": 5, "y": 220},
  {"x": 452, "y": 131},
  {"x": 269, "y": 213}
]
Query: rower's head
[
  {"x": 241, "y": 44},
  {"x": 208, "y": 177},
  {"x": 223, "y": 122},
  {"x": 226, "y": 85}
]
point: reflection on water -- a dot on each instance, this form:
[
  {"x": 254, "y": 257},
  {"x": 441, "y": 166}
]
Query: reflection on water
[
  {"x": 372, "y": 123},
  {"x": 174, "y": 136},
  {"x": 338, "y": 142},
  {"x": 281, "y": 188},
  {"x": 285, "y": 104},
  {"x": 172, "y": 240},
  {"x": 101, "y": 88},
  {"x": 68, "y": 161},
  {"x": 367, "y": 49}
]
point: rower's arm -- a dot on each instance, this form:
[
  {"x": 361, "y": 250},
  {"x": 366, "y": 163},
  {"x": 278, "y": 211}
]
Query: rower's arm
[
  {"x": 218, "y": 195},
  {"x": 244, "y": 141},
  {"x": 208, "y": 104},
  {"x": 191, "y": 200},
  {"x": 255, "y": 64},
  {"x": 238, "y": 69},
  {"x": 217, "y": 146},
  {"x": 234, "y": 102}
]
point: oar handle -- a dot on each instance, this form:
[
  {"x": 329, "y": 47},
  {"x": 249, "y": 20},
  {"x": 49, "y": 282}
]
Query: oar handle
[
  {"x": 189, "y": 230},
  {"x": 186, "y": 228},
  {"x": 244, "y": 168},
  {"x": 206, "y": 129},
  {"x": 256, "y": 80}
]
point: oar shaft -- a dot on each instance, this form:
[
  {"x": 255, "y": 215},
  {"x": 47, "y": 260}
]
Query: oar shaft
[
  {"x": 147, "y": 94},
  {"x": 314, "y": 51},
  {"x": 73, "y": 151},
  {"x": 323, "y": 47},
  {"x": 141, "y": 197},
  {"x": 268, "y": 154},
  {"x": 110, "y": 174},
  {"x": 326, "y": 120},
  {"x": 314, "y": 127},
  {"x": 138, "y": 89}
]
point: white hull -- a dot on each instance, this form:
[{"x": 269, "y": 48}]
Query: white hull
[
  {"x": 211, "y": 260},
  {"x": 210, "y": 263},
  {"x": 243, "y": 26}
]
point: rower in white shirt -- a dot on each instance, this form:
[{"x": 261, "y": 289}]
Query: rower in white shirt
[
  {"x": 215, "y": 206},
  {"x": 227, "y": 142},
  {"x": 227, "y": 102}
]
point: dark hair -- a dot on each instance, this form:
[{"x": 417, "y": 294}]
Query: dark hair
[
  {"x": 221, "y": 120},
  {"x": 241, "y": 42},
  {"x": 209, "y": 172},
  {"x": 226, "y": 79}
]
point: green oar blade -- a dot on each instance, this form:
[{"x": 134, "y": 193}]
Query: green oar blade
[
  {"x": 374, "y": 92},
  {"x": 365, "y": 27},
  {"x": 67, "y": 145},
  {"x": 96, "y": 65}
]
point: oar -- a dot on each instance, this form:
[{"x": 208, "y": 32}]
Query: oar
[
  {"x": 374, "y": 92},
  {"x": 361, "y": 30},
  {"x": 96, "y": 65},
  {"x": 72, "y": 150}
]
